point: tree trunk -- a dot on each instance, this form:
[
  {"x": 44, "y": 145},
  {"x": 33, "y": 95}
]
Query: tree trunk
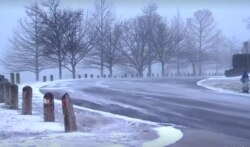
[
  {"x": 37, "y": 76},
  {"x": 217, "y": 68},
  {"x": 162, "y": 69},
  {"x": 102, "y": 62},
  {"x": 73, "y": 71},
  {"x": 178, "y": 66},
  {"x": 140, "y": 72},
  {"x": 60, "y": 68},
  {"x": 194, "y": 69},
  {"x": 200, "y": 69},
  {"x": 149, "y": 70},
  {"x": 37, "y": 63},
  {"x": 110, "y": 71}
]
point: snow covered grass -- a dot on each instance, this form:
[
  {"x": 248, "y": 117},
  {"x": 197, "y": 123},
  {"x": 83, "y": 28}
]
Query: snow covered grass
[
  {"x": 96, "y": 128},
  {"x": 230, "y": 85}
]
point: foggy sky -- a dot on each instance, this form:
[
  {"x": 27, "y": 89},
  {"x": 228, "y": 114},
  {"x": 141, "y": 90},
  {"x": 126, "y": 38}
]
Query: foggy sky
[{"x": 228, "y": 14}]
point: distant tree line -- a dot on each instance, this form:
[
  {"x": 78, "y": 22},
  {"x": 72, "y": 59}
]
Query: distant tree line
[{"x": 52, "y": 36}]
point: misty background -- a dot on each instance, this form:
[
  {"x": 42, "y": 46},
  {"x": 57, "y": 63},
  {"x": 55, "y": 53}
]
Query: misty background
[{"x": 228, "y": 16}]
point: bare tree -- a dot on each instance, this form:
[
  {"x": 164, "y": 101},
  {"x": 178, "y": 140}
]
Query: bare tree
[
  {"x": 103, "y": 20},
  {"x": 247, "y": 21},
  {"x": 134, "y": 44},
  {"x": 54, "y": 26},
  {"x": 78, "y": 40},
  {"x": 164, "y": 43},
  {"x": 25, "y": 52},
  {"x": 229, "y": 47},
  {"x": 202, "y": 27},
  {"x": 112, "y": 55},
  {"x": 190, "y": 53},
  {"x": 151, "y": 20},
  {"x": 218, "y": 54},
  {"x": 179, "y": 38}
]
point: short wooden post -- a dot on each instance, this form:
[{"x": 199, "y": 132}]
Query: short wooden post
[
  {"x": 91, "y": 76},
  {"x": 85, "y": 76},
  {"x": 69, "y": 115},
  {"x": 12, "y": 78},
  {"x": 2, "y": 93},
  {"x": 13, "y": 96},
  {"x": 17, "y": 78},
  {"x": 79, "y": 76},
  {"x": 125, "y": 75},
  {"x": 51, "y": 78},
  {"x": 44, "y": 79},
  {"x": 2, "y": 80},
  {"x": 48, "y": 107},
  {"x": 27, "y": 101},
  {"x": 7, "y": 93}
]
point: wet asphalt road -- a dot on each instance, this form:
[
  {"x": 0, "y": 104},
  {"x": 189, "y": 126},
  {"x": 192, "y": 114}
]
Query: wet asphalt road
[{"x": 177, "y": 101}]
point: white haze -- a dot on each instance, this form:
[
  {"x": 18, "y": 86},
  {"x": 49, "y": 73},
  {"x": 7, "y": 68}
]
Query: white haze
[{"x": 229, "y": 15}]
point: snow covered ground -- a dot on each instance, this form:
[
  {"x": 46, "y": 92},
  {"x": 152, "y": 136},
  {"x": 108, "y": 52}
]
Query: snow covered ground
[
  {"x": 95, "y": 128},
  {"x": 224, "y": 85}
]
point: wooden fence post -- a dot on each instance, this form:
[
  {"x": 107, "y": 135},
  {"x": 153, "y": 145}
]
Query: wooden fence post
[
  {"x": 48, "y": 107},
  {"x": 7, "y": 93},
  {"x": 13, "y": 96},
  {"x": 44, "y": 79},
  {"x": 2, "y": 88},
  {"x": 17, "y": 78},
  {"x": 1, "y": 92},
  {"x": 27, "y": 101},
  {"x": 51, "y": 78},
  {"x": 12, "y": 78},
  {"x": 69, "y": 115}
]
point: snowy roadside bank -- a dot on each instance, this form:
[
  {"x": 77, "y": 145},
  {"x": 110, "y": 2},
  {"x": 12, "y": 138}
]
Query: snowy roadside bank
[
  {"x": 230, "y": 85},
  {"x": 95, "y": 128}
]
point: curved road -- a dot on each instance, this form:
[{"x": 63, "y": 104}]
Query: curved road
[{"x": 177, "y": 101}]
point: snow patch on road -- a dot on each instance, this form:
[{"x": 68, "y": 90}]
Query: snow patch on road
[{"x": 167, "y": 136}]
